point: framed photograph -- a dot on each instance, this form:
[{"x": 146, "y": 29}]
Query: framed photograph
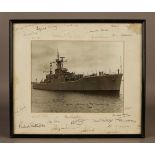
[{"x": 77, "y": 78}]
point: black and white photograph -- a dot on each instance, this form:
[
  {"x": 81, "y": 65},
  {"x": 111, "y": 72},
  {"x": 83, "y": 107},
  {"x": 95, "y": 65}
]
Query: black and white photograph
[{"x": 77, "y": 76}]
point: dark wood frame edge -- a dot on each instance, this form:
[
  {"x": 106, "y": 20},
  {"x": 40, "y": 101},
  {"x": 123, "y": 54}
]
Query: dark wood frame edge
[{"x": 142, "y": 21}]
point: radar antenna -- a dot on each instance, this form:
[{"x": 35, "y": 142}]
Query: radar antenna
[{"x": 62, "y": 60}]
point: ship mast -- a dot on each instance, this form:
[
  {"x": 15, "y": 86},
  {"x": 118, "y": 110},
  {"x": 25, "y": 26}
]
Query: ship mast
[
  {"x": 120, "y": 64},
  {"x": 57, "y": 54},
  {"x": 59, "y": 61},
  {"x": 50, "y": 67}
]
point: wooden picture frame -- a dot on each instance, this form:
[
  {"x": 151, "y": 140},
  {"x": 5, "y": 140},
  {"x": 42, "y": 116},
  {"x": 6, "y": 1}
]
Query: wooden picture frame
[{"x": 28, "y": 29}]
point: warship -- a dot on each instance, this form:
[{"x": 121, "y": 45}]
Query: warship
[{"x": 63, "y": 80}]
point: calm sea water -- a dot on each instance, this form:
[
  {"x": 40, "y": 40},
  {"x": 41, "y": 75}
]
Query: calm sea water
[{"x": 76, "y": 102}]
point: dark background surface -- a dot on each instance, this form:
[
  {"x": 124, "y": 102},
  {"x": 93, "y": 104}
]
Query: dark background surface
[{"x": 4, "y": 73}]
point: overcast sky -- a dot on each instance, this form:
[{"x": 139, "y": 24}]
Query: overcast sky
[{"x": 82, "y": 56}]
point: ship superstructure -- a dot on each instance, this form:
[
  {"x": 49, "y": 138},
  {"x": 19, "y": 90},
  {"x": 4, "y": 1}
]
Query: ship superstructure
[{"x": 62, "y": 79}]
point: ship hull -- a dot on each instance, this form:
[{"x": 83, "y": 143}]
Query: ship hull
[{"x": 94, "y": 83}]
